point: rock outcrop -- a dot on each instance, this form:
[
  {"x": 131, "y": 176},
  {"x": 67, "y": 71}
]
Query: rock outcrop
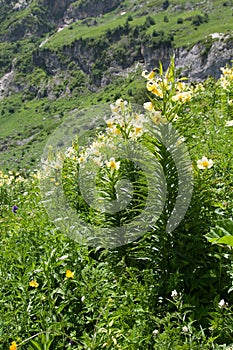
[
  {"x": 90, "y": 8},
  {"x": 204, "y": 59}
]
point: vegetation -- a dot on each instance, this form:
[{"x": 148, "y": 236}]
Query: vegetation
[
  {"x": 166, "y": 283},
  {"x": 168, "y": 289}
]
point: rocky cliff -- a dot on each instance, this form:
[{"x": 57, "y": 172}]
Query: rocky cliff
[{"x": 199, "y": 62}]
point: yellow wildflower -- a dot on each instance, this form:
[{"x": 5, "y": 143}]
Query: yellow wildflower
[
  {"x": 181, "y": 86},
  {"x": 13, "y": 346},
  {"x": 204, "y": 163},
  {"x": 33, "y": 284},
  {"x": 112, "y": 164},
  {"x": 116, "y": 130},
  {"x": 110, "y": 123},
  {"x": 81, "y": 158},
  {"x": 148, "y": 75},
  {"x": 138, "y": 129},
  {"x": 182, "y": 97},
  {"x": 151, "y": 86},
  {"x": 69, "y": 274}
]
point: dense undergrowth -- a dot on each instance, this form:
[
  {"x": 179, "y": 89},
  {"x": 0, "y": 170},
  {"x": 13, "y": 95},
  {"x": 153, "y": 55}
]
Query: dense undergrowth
[{"x": 165, "y": 290}]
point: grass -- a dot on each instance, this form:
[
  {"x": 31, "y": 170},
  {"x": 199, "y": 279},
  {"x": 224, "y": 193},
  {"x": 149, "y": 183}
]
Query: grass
[
  {"x": 27, "y": 125},
  {"x": 165, "y": 290},
  {"x": 184, "y": 33}
]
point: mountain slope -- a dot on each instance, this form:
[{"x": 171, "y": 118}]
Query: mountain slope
[{"x": 53, "y": 53}]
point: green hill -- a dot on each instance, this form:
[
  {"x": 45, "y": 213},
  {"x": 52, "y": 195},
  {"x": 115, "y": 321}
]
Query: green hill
[{"x": 57, "y": 56}]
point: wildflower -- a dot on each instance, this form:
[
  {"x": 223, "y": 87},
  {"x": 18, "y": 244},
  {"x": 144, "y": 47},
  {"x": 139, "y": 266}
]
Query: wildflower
[
  {"x": 13, "y": 346},
  {"x": 120, "y": 102},
  {"x": 148, "y": 106},
  {"x": 229, "y": 123},
  {"x": 185, "y": 329},
  {"x": 155, "y": 332},
  {"x": 204, "y": 163},
  {"x": 222, "y": 304},
  {"x": 112, "y": 164},
  {"x": 69, "y": 274},
  {"x": 181, "y": 86},
  {"x": 137, "y": 129},
  {"x": 224, "y": 83},
  {"x": 34, "y": 284},
  {"x": 151, "y": 86},
  {"x": 182, "y": 97},
  {"x": 14, "y": 209},
  {"x": 116, "y": 130},
  {"x": 81, "y": 159},
  {"x": 110, "y": 123},
  {"x": 174, "y": 294},
  {"x": 148, "y": 75}
]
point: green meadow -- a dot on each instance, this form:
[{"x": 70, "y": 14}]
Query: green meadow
[{"x": 163, "y": 290}]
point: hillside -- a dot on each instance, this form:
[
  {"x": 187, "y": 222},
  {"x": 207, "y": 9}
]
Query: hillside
[{"x": 55, "y": 53}]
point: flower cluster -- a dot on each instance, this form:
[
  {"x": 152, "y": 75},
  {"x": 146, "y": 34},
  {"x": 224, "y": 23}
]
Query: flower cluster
[
  {"x": 168, "y": 93},
  {"x": 226, "y": 79},
  {"x": 123, "y": 124},
  {"x": 10, "y": 178},
  {"x": 124, "y": 121}
]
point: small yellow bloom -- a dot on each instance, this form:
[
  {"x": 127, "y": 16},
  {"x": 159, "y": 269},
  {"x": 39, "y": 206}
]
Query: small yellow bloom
[
  {"x": 116, "y": 130},
  {"x": 151, "y": 86},
  {"x": 69, "y": 274},
  {"x": 81, "y": 159},
  {"x": 110, "y": 123},
  {"x": 181, "y": 86},
  {"x": 13, "y": 346},
  {"x": 204, "y": 163},
  {"x": 112, "y": 164},
  {"x": 138, "y": 129},
  {"x": 182, "y": 97},
  {"x": 148, "y": 75},
  {"x": 33, "y": 284}
]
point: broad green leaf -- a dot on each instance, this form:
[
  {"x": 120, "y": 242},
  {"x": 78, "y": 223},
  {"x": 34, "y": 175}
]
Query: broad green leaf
[{"x": 222, "y": 233}]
